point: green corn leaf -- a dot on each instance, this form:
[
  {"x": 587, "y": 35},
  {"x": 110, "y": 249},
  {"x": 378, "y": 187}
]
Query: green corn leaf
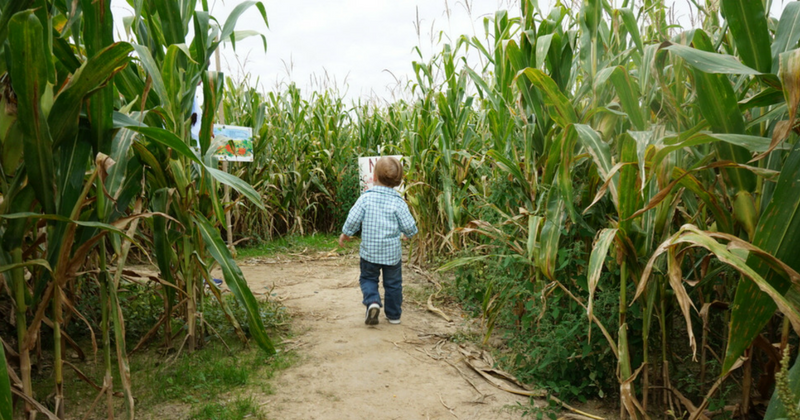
[
  {"x": 29, "y": 263},
  {"x": 213, "y": 92},
  {"x": 460, "y": 262},
  {"x": 63, "y": 52},
  {"x": 765, "y": 98},
  {"x": 145, "y": 156},
  {"x": 542, "y": 48},
  {"x": 645, "y": 139},
  {"x": 172, "y": 74},
  {"x": 57, "y": 218},
  {"x": 11, "y": 8},
  {"x": 200, "y": 43},
  {"x": 629, "y": 20},
  {"x": 72, "y": 159},
  {"x": 562, "y": 111},
  {"x": 13, "y": 147},
  {"x": 6, "y": 406},
  {"x": 628, "y": 193},
  {"x": 596, "y": 260},
  {"x": 242, "y": 35},
  {"x": 627, "y": 91},
  {"x": 778, "y": 233},
  {"x": 121, "y": 154},
  {"x": 230, "y": 23},
  {"x": 710, "y": 62},
  {"x": 565, "y": 179},
  {"x": 790, "y": 76},
  {"x": 235, "y": 281},
  {"x": 150, "y": 66},
  {"x": 98, "y": 34},
  {"x": 646, "y": 76},
  {"x": 98, "y": 23},
  {"x": 719, "y": 106},
  {"x": 169, "y": 14},
  {"x": 601, "y": 154},
  {"x": 171, "y": 140},
  {"x": 237, "y": 184},
  {"x": 788, "y": 33},
  {"x": 754, "y": 144},
  {"x": 512, "y": 168},
  {"x": 29, "y": 78},
  {"x": 590, "y": 16},
  {"x": 15, "y": 230},
  {"x": 747, "y": 21},
  {"x": 721, "y": 215},
  {"x": 533, "y": 236},
  {"x": 94, "y": 73},
  {"x": 551, "y": 234},
  {"x": 165, "y": 255}
]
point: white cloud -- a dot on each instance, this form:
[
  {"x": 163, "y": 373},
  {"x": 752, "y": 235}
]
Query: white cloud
[{"x": 354, "y": 40}]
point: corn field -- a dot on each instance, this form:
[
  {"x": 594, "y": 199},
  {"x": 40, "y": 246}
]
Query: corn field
[{"x": 601, "y": 163}]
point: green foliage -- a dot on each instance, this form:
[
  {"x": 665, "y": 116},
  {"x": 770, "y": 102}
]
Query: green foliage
[
  {"x": 346, "y": 192},
  {"x": 292, "y": 244},
  {"x": 549, "y": 411},
  {"x": 786, "y": 401},
  {"x": 547, "y": 338},
  {"x": 273, "y": 315},
  {"x": 5, "y": 388},
  {"x": 141, "y": 307},
  {"x": 238, "y": 409}
]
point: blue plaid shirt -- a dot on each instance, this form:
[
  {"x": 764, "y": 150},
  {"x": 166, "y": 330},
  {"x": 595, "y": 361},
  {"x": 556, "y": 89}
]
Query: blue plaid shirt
[{"x": 381, "y": 215}]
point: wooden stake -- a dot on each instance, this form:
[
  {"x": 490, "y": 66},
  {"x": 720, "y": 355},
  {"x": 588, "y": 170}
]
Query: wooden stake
[{"x": 226, "y": 189}]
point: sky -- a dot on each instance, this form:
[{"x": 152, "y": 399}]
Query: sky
[{"x": 361, "y": 47}]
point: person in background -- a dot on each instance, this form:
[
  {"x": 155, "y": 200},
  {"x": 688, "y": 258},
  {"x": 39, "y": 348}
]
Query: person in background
[
  {"x": 197, "y": 116},
  {"x": 197, "y": 120},
  {"x": 382, "y": 216}
]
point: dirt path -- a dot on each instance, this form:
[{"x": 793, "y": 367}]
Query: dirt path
[{"x": 347, "y": 370}]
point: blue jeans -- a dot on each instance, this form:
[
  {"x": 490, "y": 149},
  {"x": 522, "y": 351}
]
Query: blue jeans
[{"x": 392, "y": 286}]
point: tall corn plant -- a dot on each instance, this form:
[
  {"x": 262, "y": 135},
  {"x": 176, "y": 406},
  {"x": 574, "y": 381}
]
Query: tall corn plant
[
  {"x": 46, "y": 153},
  {"x": 658, "y": 126},
  {"x": 186, "y": 183},
  {"x": 71, "y": 175}
]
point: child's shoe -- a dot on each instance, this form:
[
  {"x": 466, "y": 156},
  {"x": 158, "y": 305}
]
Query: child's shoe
[
  {"x": 372, "y": 314},
  {"x": 393, "y": 321}
]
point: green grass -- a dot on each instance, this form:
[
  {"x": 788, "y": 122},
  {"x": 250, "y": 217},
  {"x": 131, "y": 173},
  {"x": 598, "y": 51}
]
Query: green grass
[
  {"x": 206, "y": 374},
  {"x": 294, "y": 244},
  {"x": 211, "y": 382},
  {"x": 237, "y": 409}
]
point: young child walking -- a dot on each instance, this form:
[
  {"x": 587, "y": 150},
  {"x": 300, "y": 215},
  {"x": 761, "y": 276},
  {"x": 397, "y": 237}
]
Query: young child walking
[{"x": 381, "y": 215}]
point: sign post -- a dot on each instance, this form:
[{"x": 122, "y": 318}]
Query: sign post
[{"x": 237, "y": 148}]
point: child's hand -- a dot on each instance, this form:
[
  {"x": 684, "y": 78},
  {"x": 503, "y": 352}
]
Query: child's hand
[
  {"x": 403, "y": 237},
  {"x": 342, "y": 239}
]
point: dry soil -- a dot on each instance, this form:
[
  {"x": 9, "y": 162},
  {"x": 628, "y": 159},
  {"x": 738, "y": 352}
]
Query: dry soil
[{"x": 348, "y": 370}]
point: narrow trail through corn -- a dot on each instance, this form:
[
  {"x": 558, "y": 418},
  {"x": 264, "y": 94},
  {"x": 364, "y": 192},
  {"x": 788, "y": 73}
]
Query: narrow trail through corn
[{"x": 346, "y": 369}]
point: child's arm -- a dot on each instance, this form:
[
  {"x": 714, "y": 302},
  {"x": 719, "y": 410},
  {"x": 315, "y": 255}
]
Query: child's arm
[
  {"x": 406, "y": 221},
  {"x": 353, "y": 222}
]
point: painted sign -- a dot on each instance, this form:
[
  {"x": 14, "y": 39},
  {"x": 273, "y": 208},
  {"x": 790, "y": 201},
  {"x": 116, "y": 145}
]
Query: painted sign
[
  {"x": 238, "y": 146},
  {"x": 366, "y": 170}
]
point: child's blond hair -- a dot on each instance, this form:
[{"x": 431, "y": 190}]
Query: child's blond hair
[{"x": 389, "y": 171}]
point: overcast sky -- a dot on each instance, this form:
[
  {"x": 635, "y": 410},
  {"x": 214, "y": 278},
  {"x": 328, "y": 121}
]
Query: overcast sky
[{"x": 360, "y": 45}]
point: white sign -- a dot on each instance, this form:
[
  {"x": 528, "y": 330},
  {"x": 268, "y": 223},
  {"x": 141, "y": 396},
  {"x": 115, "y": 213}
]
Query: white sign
[
  {"x": 239, "y": 143},
  {"x": 366, "y": 171}
]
